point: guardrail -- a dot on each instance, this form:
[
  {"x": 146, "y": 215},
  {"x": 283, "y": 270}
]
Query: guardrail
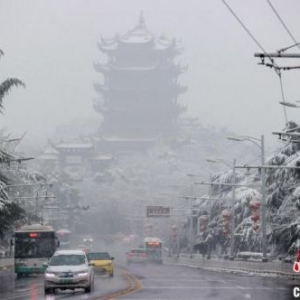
[
  {"x": 7, "y": 274},
  {"x": 6, "y": 263},
  {"x": 269, "y": 268}
]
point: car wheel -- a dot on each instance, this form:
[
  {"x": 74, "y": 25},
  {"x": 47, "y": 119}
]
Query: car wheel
[
  {"x": 48, "y": 291},
  {"x": 111, "y": 274},
  {"x": 88, "y": 289}
]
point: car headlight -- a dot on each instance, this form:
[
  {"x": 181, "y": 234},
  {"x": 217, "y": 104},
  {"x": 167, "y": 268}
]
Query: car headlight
[
  {"x": 50, "y": 274},
  {"x": 82, "y": 273}
]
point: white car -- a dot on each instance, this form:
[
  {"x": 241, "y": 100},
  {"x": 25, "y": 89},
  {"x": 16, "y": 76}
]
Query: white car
[
  {"x": 88, "y": 239},
  {"x": 68, "y": 269},
  {"x": 136, "y": 255}
]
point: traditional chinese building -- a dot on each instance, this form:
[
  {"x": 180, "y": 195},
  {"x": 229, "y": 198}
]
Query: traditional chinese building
[
  {"x": 72, "y": 154},
  {"x": 138, "y": 94}
]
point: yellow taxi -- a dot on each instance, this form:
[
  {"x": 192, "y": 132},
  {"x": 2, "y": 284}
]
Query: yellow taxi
[{"x": 102, "y": 262}]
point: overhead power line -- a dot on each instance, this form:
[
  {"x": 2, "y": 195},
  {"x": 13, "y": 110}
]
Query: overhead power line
[
  {"x": 273, "y": 65},
  {"x": 243, "y": 25},
  {"x": 283, "y": 24}
]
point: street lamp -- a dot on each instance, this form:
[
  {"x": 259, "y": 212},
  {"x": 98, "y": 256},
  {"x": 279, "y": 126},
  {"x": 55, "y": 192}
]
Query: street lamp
[
  {"x": 232, "y": 225},
  {"x": 261, "y": 144},
  {"x": 191, "y": 238}
]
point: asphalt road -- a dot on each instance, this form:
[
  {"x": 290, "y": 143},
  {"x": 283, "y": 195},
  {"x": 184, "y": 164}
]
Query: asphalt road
[
  {"x": 32, "y": 288},
  {"x": 169, "y": 282},
  {"x": 166, "y": 282}
]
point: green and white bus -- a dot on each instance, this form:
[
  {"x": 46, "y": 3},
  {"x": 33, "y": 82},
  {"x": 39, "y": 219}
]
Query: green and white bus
[
  {"x": 33, "y": 246},
  {"x": 154, "y": 249}
]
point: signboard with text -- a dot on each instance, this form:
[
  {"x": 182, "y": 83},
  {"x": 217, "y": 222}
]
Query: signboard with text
[{"x": 157, "y": 211}]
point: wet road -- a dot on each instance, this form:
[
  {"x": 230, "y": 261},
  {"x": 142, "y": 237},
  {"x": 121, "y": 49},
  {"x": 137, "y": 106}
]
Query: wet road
[
  {"x": 169, "y": 282},
  {"x": 32, "y": 288},
  {"x": 166, "y": 282}
]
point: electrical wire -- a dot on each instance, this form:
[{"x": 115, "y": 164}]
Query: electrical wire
[
  {"x": 273, "y": 65},
  {"x": 283, "y": 24},
  {"x": 244, "y": 26}
]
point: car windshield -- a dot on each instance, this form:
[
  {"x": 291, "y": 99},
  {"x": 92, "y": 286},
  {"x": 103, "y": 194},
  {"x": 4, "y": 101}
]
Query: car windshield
[
  {"x": 98, "y": 256},
  {"x": 67, "y": 260},
  {"x": 137, "y": 251}
]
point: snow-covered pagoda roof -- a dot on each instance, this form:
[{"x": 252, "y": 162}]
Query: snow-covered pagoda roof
[
  {"x": 138, "y": 35},
  {"x": 115, "y": 138},
  {"x": 65, "y": 145},
  {"x": 103, "y": 157},
  {"x": 156, "y": 66},
  {"x": 49, "y": 152}
]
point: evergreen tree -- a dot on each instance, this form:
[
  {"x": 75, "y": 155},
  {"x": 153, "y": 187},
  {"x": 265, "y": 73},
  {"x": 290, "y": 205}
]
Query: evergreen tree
[{"x": 10, "y": 212}]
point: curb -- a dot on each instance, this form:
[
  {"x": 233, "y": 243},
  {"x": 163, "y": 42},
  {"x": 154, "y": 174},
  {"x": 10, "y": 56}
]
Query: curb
[{"x": 200, "y": 265}]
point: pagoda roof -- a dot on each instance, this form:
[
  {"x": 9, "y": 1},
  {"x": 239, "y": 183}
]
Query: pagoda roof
[
  {"x": 157, "y": 66},
  {"x": 138, "y": 35},
  {"x": 72, "y": 145},
  {"x": 104, "y": 89},
  {"x": 103, "y": 157},
  {"x": 102, "y": 67},
  {"x": 117, "y": 138},
  {"x": 50, "y": 149},
  {"x": 49, "y": 152}
]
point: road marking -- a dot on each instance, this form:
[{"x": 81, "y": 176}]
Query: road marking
[
  {"x": 189, "y": 280},
  {"x": 213, "y": 287}
]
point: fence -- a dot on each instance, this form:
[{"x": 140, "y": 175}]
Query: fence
[{"x": 269, "y": 268}]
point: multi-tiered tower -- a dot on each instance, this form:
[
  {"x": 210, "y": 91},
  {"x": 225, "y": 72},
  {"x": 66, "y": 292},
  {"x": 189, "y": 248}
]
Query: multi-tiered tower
[{"x": 139, "y": 89}]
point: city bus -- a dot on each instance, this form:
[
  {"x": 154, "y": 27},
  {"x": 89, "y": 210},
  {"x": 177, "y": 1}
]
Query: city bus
[
  {"x": 33, "y": 246},
  {"x": 154, "y": 249},
  {"x": 64, "y": 238}
]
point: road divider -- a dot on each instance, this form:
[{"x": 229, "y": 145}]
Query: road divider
[{"x": 268, "y": 268}]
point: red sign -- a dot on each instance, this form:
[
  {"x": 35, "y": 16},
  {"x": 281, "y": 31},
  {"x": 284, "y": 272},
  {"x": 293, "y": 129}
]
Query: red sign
[
  {"x": 296, "y": 267},
  {"x": 33, "y": 235}
]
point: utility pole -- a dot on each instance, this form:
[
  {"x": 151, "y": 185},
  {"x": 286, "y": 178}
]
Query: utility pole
[
  {"x": 191, "y": 225},
  {"x": 232, "y": 227}
]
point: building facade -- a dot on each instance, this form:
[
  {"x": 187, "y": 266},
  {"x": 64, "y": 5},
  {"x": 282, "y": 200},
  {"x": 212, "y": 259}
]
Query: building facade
[{"x": 138, "y": 93}]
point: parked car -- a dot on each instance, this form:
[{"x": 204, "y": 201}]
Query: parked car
[
  {"x": 136, "y": 255},
  {"x": 68, "y": 269},
  {"x": 102, "y": 262}
]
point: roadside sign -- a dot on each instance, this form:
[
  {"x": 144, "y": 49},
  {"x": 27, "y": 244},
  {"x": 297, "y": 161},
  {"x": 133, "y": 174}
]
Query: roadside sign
[
  {"x": 158, "y": 211},
  {"x": 296, "y": 267}
]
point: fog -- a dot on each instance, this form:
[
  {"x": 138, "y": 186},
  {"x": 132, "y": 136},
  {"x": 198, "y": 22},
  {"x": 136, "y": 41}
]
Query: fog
[{"x": 51, "y": 46}]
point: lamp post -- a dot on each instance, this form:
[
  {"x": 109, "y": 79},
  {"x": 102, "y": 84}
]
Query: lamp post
[
  {"x": 210, "y": 190},
  {"x": 232, "y": 225},
  {"x": 261, "y": 144}
]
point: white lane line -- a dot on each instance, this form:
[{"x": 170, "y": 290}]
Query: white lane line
[
  {"x": 185, "y": 280},
  {"x": 212, "y": 287}
]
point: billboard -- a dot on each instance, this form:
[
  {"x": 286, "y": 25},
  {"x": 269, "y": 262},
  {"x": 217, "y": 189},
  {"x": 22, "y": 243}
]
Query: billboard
[{"x": 158, "y": 211}]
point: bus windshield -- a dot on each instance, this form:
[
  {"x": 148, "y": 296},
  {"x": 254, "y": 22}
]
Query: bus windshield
[{"x": 43, "y": 245}]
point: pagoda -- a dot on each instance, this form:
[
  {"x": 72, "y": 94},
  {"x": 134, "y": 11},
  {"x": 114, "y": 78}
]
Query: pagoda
[{"x": 139, "y": 89}]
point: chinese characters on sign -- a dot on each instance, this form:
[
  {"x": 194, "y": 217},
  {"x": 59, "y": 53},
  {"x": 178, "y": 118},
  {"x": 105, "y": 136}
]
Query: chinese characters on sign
[{"x": 158, "y": 211}]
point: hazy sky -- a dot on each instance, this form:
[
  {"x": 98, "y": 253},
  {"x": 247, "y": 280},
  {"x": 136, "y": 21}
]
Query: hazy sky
[{"x": 51, "y": 46}]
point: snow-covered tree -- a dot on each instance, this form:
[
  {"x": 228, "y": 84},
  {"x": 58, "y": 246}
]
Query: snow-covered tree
[{"x": 9, "y": 211}]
